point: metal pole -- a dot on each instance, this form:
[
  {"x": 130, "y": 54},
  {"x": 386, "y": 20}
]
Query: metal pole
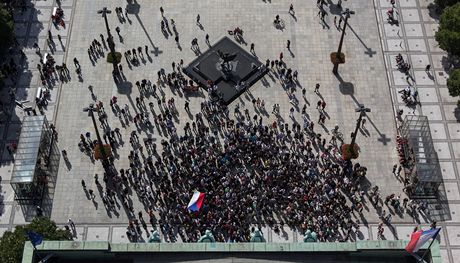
[
  {"x": 99, "y": 141},
  {"x": 428, "y": 249},
  {"x": 110, "y": 41},
  {"x": 339, "y": 50}
]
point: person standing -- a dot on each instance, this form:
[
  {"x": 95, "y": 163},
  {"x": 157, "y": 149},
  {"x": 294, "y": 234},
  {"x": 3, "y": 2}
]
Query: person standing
[
  {"x": 323, "y": 105},
  {"x": 37, "y": 48},
  {"x": 291, "y": 10},
  {"x": 71, "y": 223},
  {"x": 76, "y": 62},
  {"x": 198, "y": 19},
  {"x": 252, "y": 48},
  {"x": 50, "y": 36},
  {"x": 427, "y": 68},
  {"x": 288, "y": 44},
  {"x": 317, "y": 88},
  {"x": 187, "y": 107}
]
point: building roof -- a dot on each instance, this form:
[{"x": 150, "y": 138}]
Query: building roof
[
  {"x": 27, "y": 152},
  {"x": 382, "y": 251}
]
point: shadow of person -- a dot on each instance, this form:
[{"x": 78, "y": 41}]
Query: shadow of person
[
  {"x": 68, "y": 164},
  {"x": 430, "y": 76}
]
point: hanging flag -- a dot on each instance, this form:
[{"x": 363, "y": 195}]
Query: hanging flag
[
  {"x": 35, "y": 238},
  {"x": 419, "y": 238},
  {"x": 196, "y": 201}
]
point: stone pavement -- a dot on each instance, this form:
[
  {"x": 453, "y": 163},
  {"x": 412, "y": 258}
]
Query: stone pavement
[
  {"x": 31, "y": 26},
  {"x": 362, "y": 80},
  {"x": 414, "y": 39},
  {"x": 310, "y": 46}
]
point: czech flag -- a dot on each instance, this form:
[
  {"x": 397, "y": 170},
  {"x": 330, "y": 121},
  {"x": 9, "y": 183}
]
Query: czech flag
[
  {"x": 419, "y": 238},
  {"x": 196, "y": 202}
]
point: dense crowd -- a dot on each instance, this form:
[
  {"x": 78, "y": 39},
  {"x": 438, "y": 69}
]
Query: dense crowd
[{"x": 254, "y": 173}]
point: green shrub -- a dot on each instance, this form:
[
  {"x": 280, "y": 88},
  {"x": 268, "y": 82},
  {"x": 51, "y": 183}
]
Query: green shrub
[
  {"x": 453, "y": 83},
  {"x": 445, "y": 3},
  {"x": 6, "y": 29},
  {"x": 448, "y": 35},
  {"x": 12, "y": 242}
]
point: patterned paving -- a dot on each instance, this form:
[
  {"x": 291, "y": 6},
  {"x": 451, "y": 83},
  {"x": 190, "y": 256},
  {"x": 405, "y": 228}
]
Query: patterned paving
[{"x": 414, "y": 39}]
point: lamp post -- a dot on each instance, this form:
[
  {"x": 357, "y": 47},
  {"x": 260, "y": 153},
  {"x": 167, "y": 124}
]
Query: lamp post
[
  {"x": 104, "y": 11},
  {"x": 104, "y": 155},
  {"x": 337, "y": 59},
  {"x": 362, "y": 111}
]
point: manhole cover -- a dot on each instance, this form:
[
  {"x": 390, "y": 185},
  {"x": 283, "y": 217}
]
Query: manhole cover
[{"x": 97, "y": 236}]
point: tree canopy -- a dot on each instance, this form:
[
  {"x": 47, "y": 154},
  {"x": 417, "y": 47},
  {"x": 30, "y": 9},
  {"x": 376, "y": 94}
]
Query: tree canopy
[
  {"x": 448, "y": 35},
  {"x": 12, "y": 243},
  {"x": 453, "y": 83},
  {"x": 445, "y": 3},
  {"x": 6, "y": 29}
]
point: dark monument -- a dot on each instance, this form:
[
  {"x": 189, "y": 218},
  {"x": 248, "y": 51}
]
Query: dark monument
[{"x": 226, "y": 70}]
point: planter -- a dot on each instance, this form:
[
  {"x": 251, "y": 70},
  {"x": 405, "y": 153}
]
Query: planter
[
  {"x": 98, "y": 153},
  {"x": 114, "y": 57},
  {"x": 350, "y": 151},
  {"x": 337, "y": 59}
]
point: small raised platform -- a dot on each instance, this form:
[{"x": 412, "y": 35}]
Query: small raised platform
[{"x": 240, "y": 74}]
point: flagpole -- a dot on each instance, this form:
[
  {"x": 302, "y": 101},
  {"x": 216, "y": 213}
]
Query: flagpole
[{"x": 428, "y": 249}]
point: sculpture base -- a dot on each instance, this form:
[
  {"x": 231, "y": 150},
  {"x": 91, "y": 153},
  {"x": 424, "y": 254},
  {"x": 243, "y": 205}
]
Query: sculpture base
[{"x": 243, "y": 69}]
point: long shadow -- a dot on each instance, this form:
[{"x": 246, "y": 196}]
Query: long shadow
[
  {"x": 133, "y": 8},
  {"x": 347, "y": 88},
  {"x": 334, "y": 9},
  {"x": 125, "y": 88},
  {"x": 369, "y": 50}
]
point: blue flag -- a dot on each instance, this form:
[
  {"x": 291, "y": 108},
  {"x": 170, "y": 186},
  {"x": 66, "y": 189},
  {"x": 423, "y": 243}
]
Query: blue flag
[{"x": 35, "y": 238}]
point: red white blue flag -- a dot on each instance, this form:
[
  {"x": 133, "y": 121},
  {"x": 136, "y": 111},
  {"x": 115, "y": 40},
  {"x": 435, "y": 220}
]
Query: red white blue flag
[
  {"x": 196, "y": 202},
  {"x": 419, "y": 238}
]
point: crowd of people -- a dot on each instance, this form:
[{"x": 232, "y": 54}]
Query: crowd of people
[{"x": 255, "y": 172}]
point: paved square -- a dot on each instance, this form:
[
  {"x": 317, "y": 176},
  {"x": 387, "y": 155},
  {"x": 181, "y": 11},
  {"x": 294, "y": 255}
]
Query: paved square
[{"x": 370, "y": 76}]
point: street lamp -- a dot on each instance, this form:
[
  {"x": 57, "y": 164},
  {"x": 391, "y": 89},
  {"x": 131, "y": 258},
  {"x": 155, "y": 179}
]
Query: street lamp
[
  {"x": 104, "y": 11},
  {"x": 104, "y": 156},
  {"x": 339, "y": 58},
  {"x": 362, "y": 111}
]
